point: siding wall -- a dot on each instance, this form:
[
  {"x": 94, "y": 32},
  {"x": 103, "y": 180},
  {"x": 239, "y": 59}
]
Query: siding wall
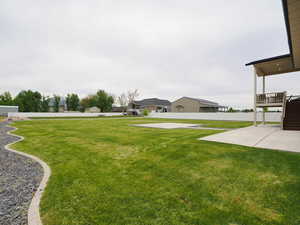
[
  {"x": 189, "y": 105},
  {"x": 4, "y": 110}
]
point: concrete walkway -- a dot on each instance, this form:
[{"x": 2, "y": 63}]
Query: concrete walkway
[
  {"x": 263, "y": 136},
  {"x": 167, "y": 125},
  {"x": 177, "y": 126}
]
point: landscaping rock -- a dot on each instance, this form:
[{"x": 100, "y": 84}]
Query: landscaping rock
[{"x": 19, "y": 179}]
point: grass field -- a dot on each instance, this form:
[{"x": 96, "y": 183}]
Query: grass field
[
  {"x": 105, "y": 171},
  {"x": 2, "y": 118},
  {"x": 78, "y": 117}
]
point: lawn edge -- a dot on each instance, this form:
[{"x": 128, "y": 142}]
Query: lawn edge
[{"x": 34, "y": 207}]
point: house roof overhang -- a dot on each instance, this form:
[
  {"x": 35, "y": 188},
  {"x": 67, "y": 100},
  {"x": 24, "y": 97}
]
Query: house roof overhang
[
  {"x": 275, "y": 65},
  {"x": 289, "y": 62}
]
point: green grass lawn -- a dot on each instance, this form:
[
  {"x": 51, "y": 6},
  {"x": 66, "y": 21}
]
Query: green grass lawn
[
  {"x": 2, "y": 118},
  {"x": 78, "y": 117},
  {"x": 109, "y": 172}
]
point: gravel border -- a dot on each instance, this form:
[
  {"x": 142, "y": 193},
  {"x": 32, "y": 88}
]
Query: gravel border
[{"x": 22, "y": 180}]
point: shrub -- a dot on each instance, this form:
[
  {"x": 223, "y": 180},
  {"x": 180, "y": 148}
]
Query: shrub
[{"x": 145, "y": 112}]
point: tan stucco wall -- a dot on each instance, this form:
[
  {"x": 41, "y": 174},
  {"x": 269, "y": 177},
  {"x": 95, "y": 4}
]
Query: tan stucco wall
[{"x": 189, "y": 105}]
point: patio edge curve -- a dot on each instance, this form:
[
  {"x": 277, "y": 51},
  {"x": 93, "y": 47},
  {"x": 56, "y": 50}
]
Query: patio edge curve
[{"x": 33, "y": 215}]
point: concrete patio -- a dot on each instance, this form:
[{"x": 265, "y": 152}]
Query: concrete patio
[
  {"x": 167, "y": 125},
  {"x": 262, "y": 136}
]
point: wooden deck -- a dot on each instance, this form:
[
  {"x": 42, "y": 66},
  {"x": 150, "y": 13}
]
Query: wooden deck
[{"x": 276, "y": 99}]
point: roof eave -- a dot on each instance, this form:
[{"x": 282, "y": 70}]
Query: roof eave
[
  {"x": 268, "y": 59},
  {"x": 288, "y": 30}
]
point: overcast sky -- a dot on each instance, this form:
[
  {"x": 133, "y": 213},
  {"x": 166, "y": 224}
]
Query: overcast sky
[{"x": 166, "y": 49}]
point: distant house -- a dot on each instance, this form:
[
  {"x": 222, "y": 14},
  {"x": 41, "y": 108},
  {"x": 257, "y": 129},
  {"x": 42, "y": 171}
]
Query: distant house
[
  {"x": 62, "y": 105},
  {"x": 118, "y": 108},
  {"x": 5, "y": 109},
  {"x": 151, "y": 104},
  {"x": 93, "y": 109},
  {"x": 187, "y": 104}
]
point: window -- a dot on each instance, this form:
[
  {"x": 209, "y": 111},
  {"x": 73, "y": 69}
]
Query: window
[{"x": 179, "y": 108}]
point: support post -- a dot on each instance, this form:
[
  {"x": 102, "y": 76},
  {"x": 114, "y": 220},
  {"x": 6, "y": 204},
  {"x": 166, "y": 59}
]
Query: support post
[
  {"x": 255, "y": 91},
  {"x": 264, "y": 91}
]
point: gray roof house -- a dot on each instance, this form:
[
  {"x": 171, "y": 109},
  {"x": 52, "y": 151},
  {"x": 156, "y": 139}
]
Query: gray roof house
[
  {"x": 187, "y": 104},
  {"x": 152, "y": 104}
]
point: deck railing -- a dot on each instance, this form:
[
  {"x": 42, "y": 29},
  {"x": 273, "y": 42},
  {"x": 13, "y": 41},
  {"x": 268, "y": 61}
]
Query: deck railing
[
  {"x": 271, "y": 99},
  {"x": 293, "y": 98}
]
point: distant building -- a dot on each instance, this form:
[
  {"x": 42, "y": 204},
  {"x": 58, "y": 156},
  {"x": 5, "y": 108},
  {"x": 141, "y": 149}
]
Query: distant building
[
  {"x": 119, "y": 108},
  {"x": 187, "y": 104},
  {"x": 62, "y": 105},
  {"x": 5, "y": 109},
  {"x": 151, "y": 104},
  {"x": 93, "y": 109}
]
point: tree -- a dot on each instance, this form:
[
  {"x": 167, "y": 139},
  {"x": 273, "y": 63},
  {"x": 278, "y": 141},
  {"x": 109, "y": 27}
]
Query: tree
[
  {"x": 110, "y": 102},
  {"x": 123, "y": 101},
  {"x": 68, "y": 102},
  {"x": 231, "y": 109},
  {"x": 28, "y": 101},
  {"x": 132, "y": 95},
  {"x": 72, "y": 102},
  {"x": 56, "y": 103},
  {"x": 6, "y": 99},
  {"x": 104, "y": 101},
  {"x": 45, "y": 104},
  {"x": 247, "y": 110},
  {"x": 87, "y": 102},
  {"x": 101, "y": 99}
]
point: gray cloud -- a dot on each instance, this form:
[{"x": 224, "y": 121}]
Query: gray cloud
[{"x": 165, "y": 48}]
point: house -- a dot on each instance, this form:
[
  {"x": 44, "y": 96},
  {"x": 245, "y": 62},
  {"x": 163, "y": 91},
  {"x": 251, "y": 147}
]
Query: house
[
  {"x": 5, "y": 109},
  {"x": 62, "y": 105},
  {"x": 118, "y": 108},
  {"x": 151, "y": 104},
  {"x": 93, "y": 109},
  {"x": 187, "y": 104},
  {"x": 283, "y": 64}
]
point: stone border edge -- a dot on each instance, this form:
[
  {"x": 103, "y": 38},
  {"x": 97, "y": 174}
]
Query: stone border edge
[{"x": 34, "y": 207}]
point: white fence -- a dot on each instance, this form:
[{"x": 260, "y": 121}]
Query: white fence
[
  {"x": 270, "y": 116},
  {"x": 75, "y": 114}
]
